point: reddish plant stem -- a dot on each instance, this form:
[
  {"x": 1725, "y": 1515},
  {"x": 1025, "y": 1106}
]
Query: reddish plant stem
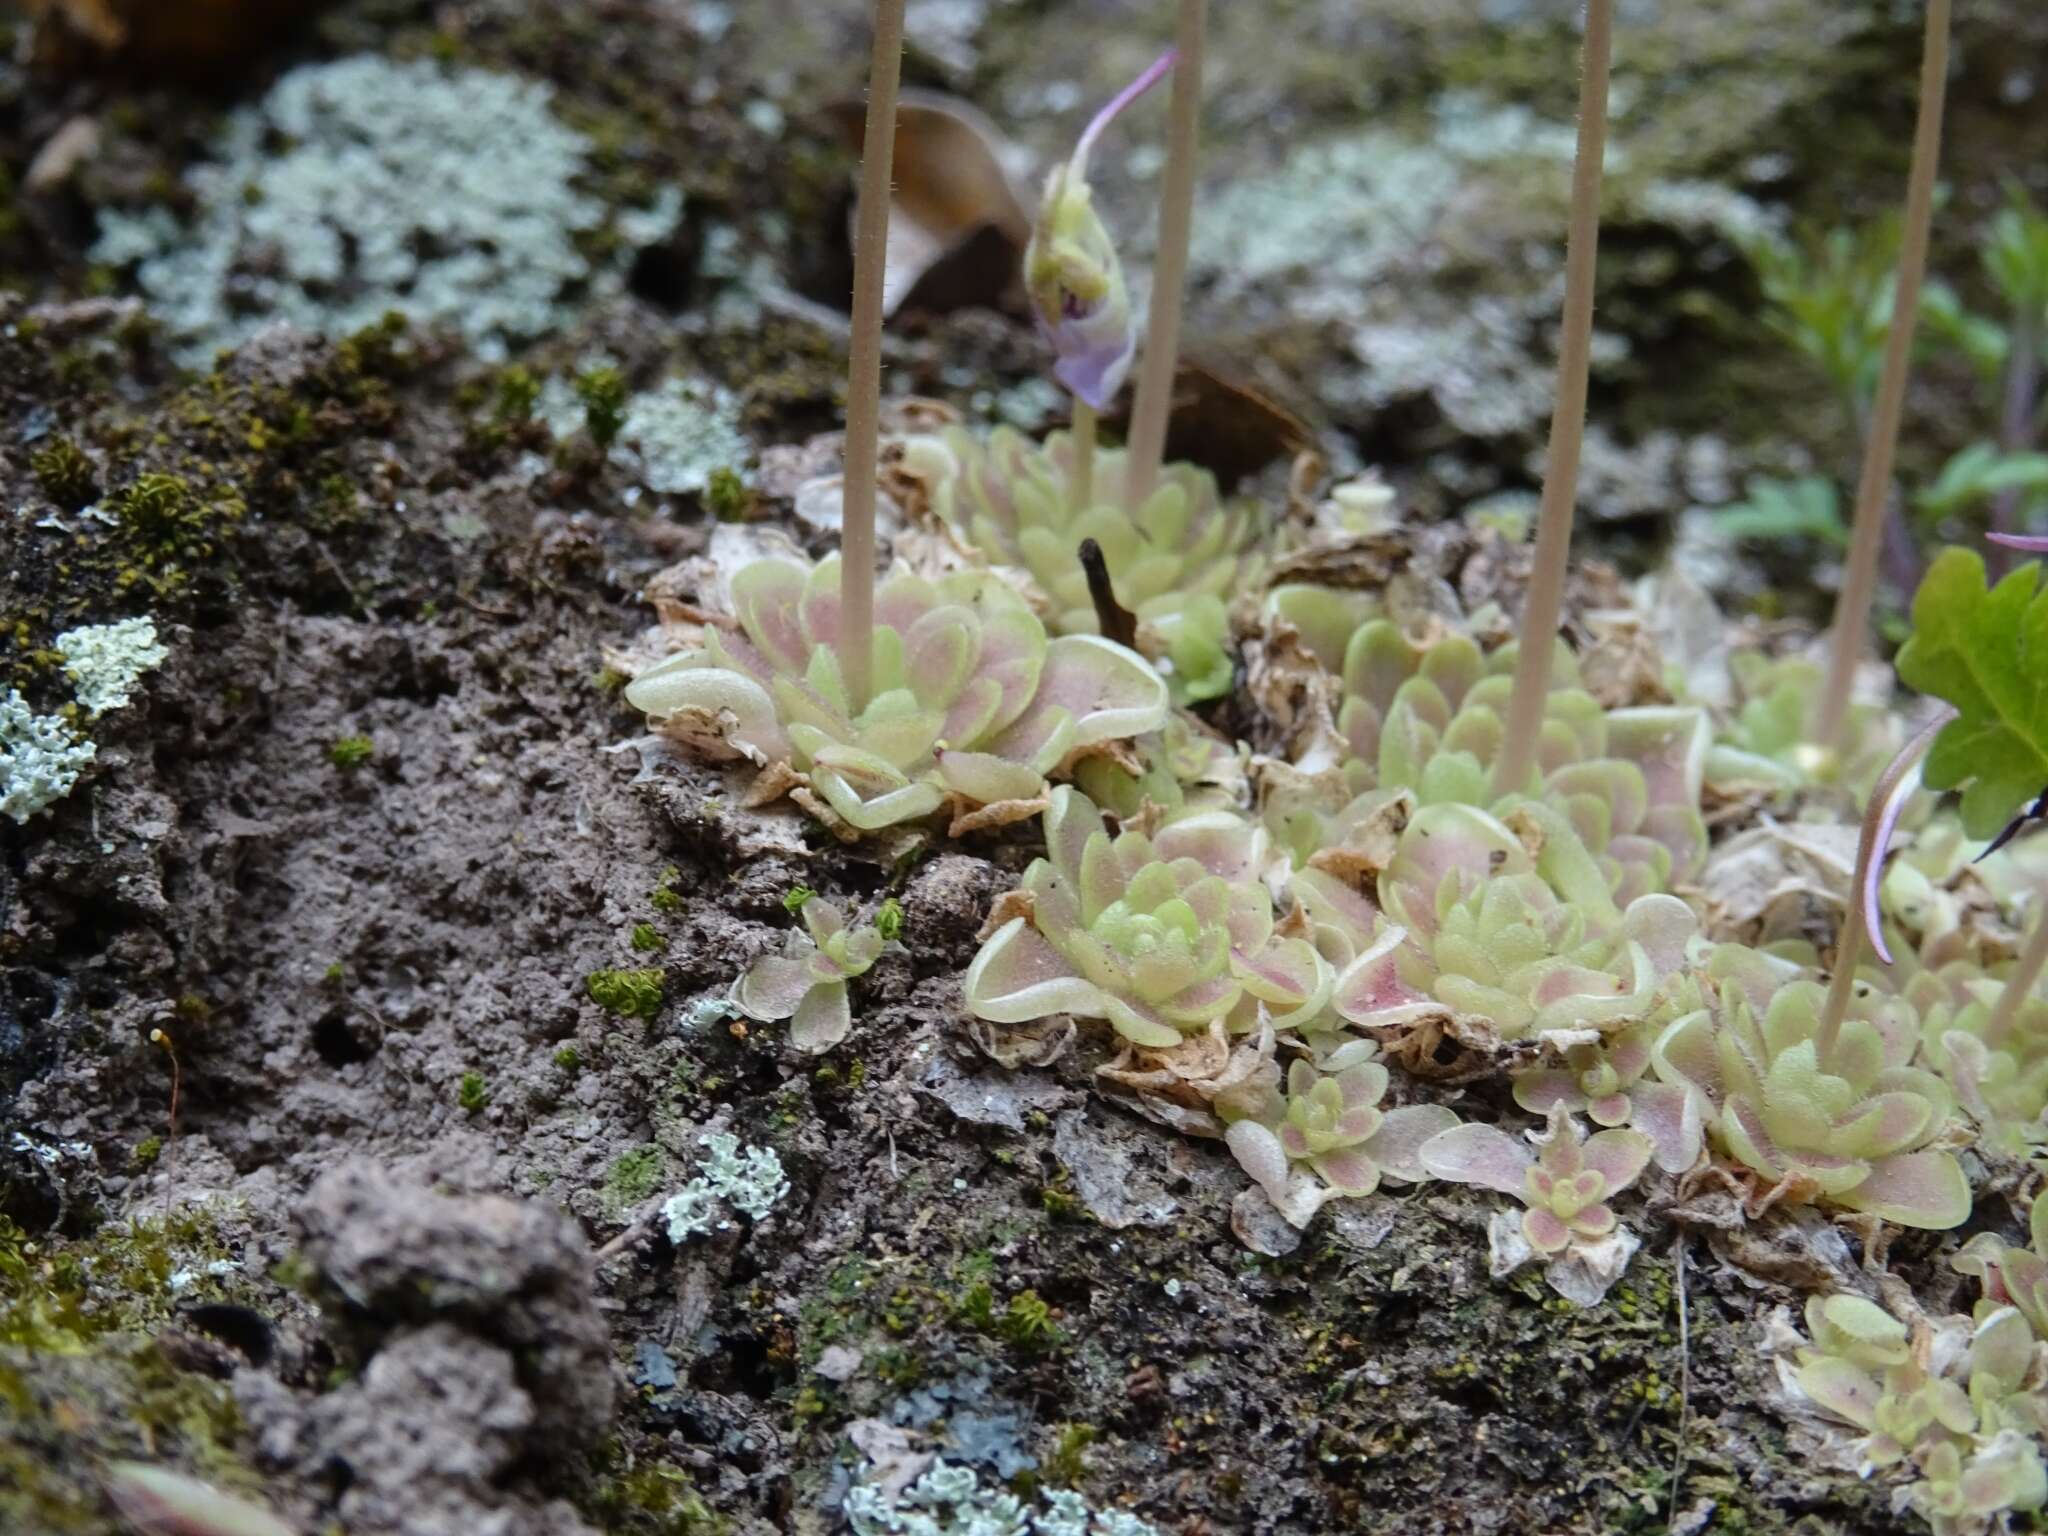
[
  {"x": 1545, "y": 601},
  {"x": 1150, "y": 406},
  {"x": 1866, "y": 539},
  {"x": 864, "y": 365}
]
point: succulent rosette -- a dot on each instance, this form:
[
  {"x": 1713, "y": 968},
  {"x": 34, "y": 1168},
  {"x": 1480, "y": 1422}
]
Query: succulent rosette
[
  {"x": 1176, "y": 561},
  {"x": 1764, "y": 744},
  {"x": 1161, "y": 936},
  {"x": 1852, "y": 1129},
  {"x": 1998, "y": 1068},
  {"x": 1329, "y": 1121},
  {"x": 971, "y": 702},
  {"x": 806, "y": 981},
  {"x": 1565, "y": 1186}
]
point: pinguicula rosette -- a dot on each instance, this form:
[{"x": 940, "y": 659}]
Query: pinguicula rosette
[
  {"x": 1764, "y": 745},
  {"x": 1162, "y": 936},
  {"x": 1327, "y": 1122},
  {"x": 1176, "y": 562},
  {"x": 971, "y": 702},
  {"x": 1955, "y": 1402},
  {"x": 1564, "y": 1188},
  {"x": 1498, "y": 930},
  {"x": 806, "y": 981},
  {"x": 1071, "y": 270},
  {"x": 1428, "y": 720},
  {"x": 1999, "y": 1070},
  {"x": 1853, "y": 1130}
]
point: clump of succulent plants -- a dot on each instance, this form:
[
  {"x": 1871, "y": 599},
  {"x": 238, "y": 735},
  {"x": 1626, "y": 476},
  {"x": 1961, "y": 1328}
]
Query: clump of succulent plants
[
  {"x": 2015, "y": 1277},
  {"x": 1608, "y": 1081},
  {"x": 1845, "y": 1120},
  {"x": 1180, "y": 770},
  {"x": 1323, "y": 1135},
  {"x": 1161, "y": 935},
  {"x": 1174, "y": 560},
  {"x": 1992, "y": 1050},
  {"x": 1564, "y": 1187},
  {"x": 1764, "y": 744},
  {"x": 1957, "y": 1401},
  {"x": 969, "y": 700},
  {"x": 806, "y": 981},
  {"x": 1429, "y": 720}
]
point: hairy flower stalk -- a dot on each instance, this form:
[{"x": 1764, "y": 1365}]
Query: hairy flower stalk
[
  {"x": 1169, "y": 276},
  {"x": 864, "y": 365},
  {"x": 1859, "y": 582},
  {"x": 1568, "y": 421}
]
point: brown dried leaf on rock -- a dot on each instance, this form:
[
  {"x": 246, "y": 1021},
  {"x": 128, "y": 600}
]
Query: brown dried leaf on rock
[
  {"x": 957, "y": 222},
  {"x": 1224, "y": 423}
]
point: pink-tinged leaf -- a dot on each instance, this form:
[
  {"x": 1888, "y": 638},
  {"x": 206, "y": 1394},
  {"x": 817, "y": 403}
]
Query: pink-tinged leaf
[
  {"x": 2001, "y": 1348},
  {"x": 1743, "y": 1131},
  {"x": 1619, "y": 1157},
  {"x": 1442, "y": 839},
  {"x": 1260, "y": 1154},
  {"x": 1222, "y": 842},
  {"x": 1883, "y": 1124},
  {"x": 1295, "y": 1140},
  {"x": 1017, "y": 976},
  {"x": 1669, "y": 1114},
  {"x": 1110, "y": 690},
  {"x": 1371, "y": 992},
  {"x": 1478, "y": 1154},
  {"x": 1362, "y": 1087},
  {"x": 1397, "y": 1145},
  {"x": 1663, "y": 925},
  {"x": 1545, "y": 1230},
  {"x": 1289, "y": 977},
  {"x": 767, "y": 599},
  {"x": 1537, "y": 1089},
  {"x": 1914, "y": 1189},
  {"x": 1139, "y": 1023},
  {"x": 158, "y": 1502},
  {"x": 1070, "y": 821},
  {"x": 1609, "y": 1110},
  {"x": 1349, "y": 1171},
  {"x": 1668, "y": 744},
  {"x": 1685, "y": 1054},
  {"x": 1592, "y": 1221},
  {"x": 1841, "y": 1389},
  {"x": 940, "y": 652},
  {"x": 774, "y": 986},
  {"x": 822, "y": 1019}
]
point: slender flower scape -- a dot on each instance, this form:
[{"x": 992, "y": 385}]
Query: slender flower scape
[{"x": 1072, "y": 273}]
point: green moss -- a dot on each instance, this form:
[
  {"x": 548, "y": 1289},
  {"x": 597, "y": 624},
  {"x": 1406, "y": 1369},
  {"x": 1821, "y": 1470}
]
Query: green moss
[
  {"x": 65, "y": 474},
  {"x": 646, "y": 939},
  {"x": 665, "y": 898},
  {"x": 518, "y": 390},
  {"x": 635, "y": 1176},
  {"x": 726, "y": 495},
  {"x": 649, "y": 1498},
  {"x": 1067, "y": 1463},
  {"x": 1027, "y": 1322},
  {"x": 351, "y": 752},
  {"x": 603, "y": 393},
  {"x": 889, "y": 919},
  {"x": 146, "y": 1152},
  {"x": 630, "y": 994},
  {"x": 569, "y": 1059},
  {"x": 794, "y": 898},
  {"x": 472, "y": 1094}
]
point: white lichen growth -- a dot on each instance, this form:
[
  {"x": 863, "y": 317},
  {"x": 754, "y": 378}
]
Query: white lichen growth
[
  {"x": 675, "y": 436},
  {"x": 749, "y": 1180},
  {"x": 104, "y": 661},
  {"x": 367, "y": 185},
  {"x": 951, "y": 1500},
  {"x": 40, "y": 759}
]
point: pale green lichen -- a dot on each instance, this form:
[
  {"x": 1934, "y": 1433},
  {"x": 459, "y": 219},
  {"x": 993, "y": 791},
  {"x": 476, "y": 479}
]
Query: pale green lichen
[
  {"x": 750, "y": 1180},
  {"x": 675, "y": 437},
  {"x": 367, "y": 185},
  {"x": 40, "y": 759},
  {"x": 103, "y": 661},
  {"x": 951, "y": 1500}
]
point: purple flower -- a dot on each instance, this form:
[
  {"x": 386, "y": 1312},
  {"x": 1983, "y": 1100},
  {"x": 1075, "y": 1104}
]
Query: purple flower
[{"x": 1072, "y": 274}]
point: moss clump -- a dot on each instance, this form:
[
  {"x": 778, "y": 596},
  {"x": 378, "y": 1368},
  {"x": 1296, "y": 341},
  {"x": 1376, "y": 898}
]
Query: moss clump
[
  {"x": 647, "y": 939},
  {"x": 634, "y": 1176},
  {"x": 665, "y": 898},
  {"x": 651, "y": 1499},
  {"x": 146, "y": 1152},
  {"x": 629, "y": 994},
  {"x": 65, "y": 474},
  {"x": 472, "y": 1094},
  {"x": 603, "y": 393},
  {"x": 569, "y": 1059},
  {"x": 726, "y": 495},
  {"x": 168, "y": 528},
  {"x": 351, "y": 752}
]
